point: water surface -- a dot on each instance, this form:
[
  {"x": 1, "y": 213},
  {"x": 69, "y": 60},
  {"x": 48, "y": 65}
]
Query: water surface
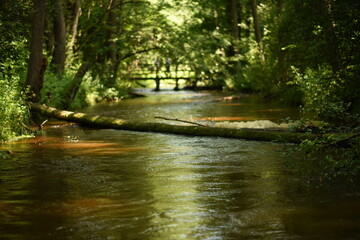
[{"x": 79, "y": 183}]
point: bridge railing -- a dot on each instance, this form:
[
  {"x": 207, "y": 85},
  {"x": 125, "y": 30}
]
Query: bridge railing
[{"x": 152, "y": 75}]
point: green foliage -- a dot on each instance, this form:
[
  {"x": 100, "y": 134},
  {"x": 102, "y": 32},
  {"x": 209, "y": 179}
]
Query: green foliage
[
  {"x": 332, "y": 159},
  {"x": 13, "y": 55},
  {"x": 91, "y": 91},
  {"x": 55, "y": 88},
  {"x": 321, "y": 91},
  {"x": 13, "y": 111}
]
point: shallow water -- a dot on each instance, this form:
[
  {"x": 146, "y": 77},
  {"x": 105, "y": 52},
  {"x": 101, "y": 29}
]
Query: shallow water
[{"x": 80, "y": 183}]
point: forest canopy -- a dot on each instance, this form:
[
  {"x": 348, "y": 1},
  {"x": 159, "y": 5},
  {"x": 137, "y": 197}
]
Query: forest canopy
[{"x": 70, "y": 53}]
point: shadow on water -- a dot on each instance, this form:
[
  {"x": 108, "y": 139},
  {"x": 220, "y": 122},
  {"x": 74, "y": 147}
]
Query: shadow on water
[{"x": 77, "y": 183}]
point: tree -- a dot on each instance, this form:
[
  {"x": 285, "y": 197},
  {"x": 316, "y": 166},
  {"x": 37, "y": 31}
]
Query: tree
[
  {"x": 235, "y": 20},
  {"x": 74, "y": 28},
  {"x": 59, "y": 53},
  {"x": 37, "y": 62},
  {"x": 257, "y": 29}
]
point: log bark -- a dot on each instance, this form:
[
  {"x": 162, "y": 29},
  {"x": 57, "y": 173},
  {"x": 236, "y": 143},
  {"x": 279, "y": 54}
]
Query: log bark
[{"x": 96, "y": 121}]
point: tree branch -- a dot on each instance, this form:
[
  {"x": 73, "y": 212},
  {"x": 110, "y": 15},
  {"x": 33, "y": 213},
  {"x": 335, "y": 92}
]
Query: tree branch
[
  {"x": 179, "y": 120},
  {"x": 102, "y": 17},
  {"x": 343, "y": 141},
  {"x": 137, "y": 52}
]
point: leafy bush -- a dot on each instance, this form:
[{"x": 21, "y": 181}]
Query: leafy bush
[
  {"x": 13, "y": 111},
  {"x": 91, "y": 90},
  {"x": 321, "y": 90},
  {"x": 332, "y": 159},
  {"x": 55, "y": 88}
]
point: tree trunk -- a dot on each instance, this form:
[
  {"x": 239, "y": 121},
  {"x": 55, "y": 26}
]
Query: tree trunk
[
  {"x": 235, "y": 20},
  {"x": 59, "y": 53},
  {"x": 112, "y": 23},
  {"x": 234, "y": 65},
  {"x": 333, "y": 48},
  {"x": 115, "y": 123},
  {"x": 75, "y": 84},
  {"x": 73, "y": 31},
  {"x": 37, "y": 62},
  {"x": 176, "y": 77},
  {"x": 115, "y": 11},
  {"x": 257, "y": 27},
  {"x": 75, "y": 23}
]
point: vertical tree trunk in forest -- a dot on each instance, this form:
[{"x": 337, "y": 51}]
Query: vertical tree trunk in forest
[
  {"x": 37, "y": 62},
  {"x": 234, "y": 48},
  {"x": 59, "y": 53},
  {"x": 235, "y": 20},
  {"x": 257, "y": 27},
  {"x": 331, "y": 37},
  {"x": 74, "y": 28},
  {"x": 280, "y": 4},
  {"x": 247, "y": 30},
  {"x": 48, "y": 34},
  {"x": 176, "y": 76},
  {"x": 75, "y": 84},
  {"x": 283, "y": 70},
  {"x": 112, "y": 22},
  {"x": 115, "y": 23}
]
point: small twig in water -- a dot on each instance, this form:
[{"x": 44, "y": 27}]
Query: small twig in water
[
  {"x": 42, "y": 124},
  {"x": 179, "y": 120}
]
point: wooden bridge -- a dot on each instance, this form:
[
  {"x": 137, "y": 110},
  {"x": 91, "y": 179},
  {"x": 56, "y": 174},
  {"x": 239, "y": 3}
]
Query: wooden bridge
[{"x": 161, "y": 76}]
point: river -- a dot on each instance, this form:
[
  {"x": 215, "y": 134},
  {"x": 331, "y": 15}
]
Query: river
[{"x": 79, "y": 183}]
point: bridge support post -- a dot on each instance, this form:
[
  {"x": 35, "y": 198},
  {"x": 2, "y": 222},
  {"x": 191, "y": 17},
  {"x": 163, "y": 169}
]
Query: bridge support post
[
  {"x": 176, "y": 84},
  {"x": 157, "y": 81}
]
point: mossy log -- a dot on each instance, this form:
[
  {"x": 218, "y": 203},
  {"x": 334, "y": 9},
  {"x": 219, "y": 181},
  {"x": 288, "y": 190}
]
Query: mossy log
[{"x": 116, "y": 123}]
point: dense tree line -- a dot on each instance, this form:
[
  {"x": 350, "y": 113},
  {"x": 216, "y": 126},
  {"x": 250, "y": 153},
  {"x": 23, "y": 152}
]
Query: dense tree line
[{"x": 72, "y": 52}]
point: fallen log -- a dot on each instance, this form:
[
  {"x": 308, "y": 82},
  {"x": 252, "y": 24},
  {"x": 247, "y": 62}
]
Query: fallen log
[{"x": 96, "y": 121}]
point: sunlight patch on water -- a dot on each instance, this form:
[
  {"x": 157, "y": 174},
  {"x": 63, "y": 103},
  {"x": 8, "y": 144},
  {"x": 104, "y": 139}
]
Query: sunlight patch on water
[
  {"x": 219, "y": 119},
  {"x": 260, "y": 124}
]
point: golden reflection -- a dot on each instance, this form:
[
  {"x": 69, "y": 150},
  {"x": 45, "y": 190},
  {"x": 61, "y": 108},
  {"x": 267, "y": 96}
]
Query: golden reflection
[
  {"x": 35, "y": 140},
  {"x": 77, "y": 145},
  {"x": 233, "y": 104},
  {"x": 71, "y": 144},
  {"x": 174, "y": 190},
  {"x": 191, "y": 101},
  {"x": 91, "y": 148},
  {"x": 118, "y": 208},
  {"x": 107, "y": 151},
  {"x": 91, "y": 204}
]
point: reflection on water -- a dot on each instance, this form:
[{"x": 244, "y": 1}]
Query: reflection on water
[
  {"x": 189, "y": 105},
  {"x": 77, "y": 183}
]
